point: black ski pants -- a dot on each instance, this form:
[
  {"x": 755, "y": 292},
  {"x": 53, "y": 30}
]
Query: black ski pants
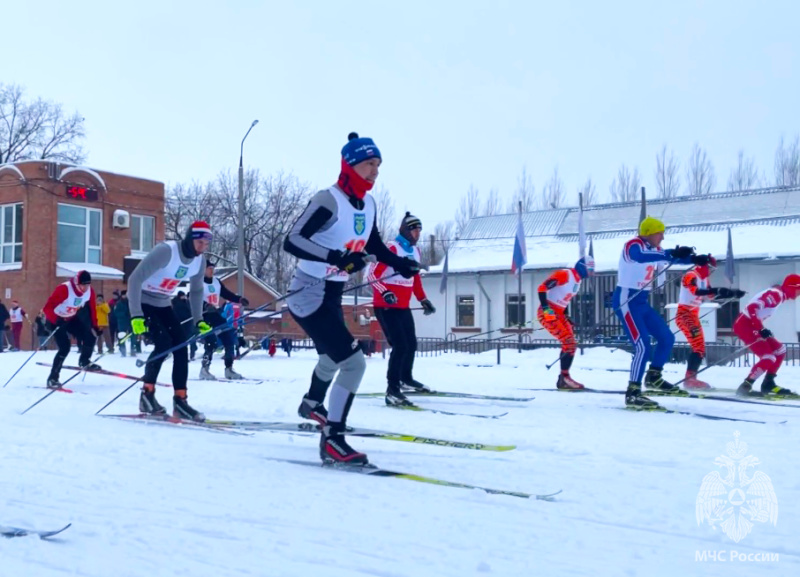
[
  {"x": 398, "y": 327},
  {"x": 166, "y": 331}
]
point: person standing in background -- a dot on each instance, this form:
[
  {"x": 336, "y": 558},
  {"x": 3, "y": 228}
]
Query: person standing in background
[
  {"x": 4, "y": 316},
  {"x": 18, "y": 317},
  {"x": 103, "y": 311}
]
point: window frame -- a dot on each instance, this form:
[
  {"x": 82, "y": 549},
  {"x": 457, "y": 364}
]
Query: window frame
[
  {"x": 141, "y": 219},
  {"x": 523, "y": 304},
  {"x": 87, "y": 232},
  {"x": 16, "y": 230},
  {"x": 459, "y": 304}
]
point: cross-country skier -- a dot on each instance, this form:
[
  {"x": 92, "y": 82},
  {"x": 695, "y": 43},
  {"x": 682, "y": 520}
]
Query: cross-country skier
[
  {"x": 61, "y": 312},
  {"x": 637, "y": 273},
  {"x": 332, "y": 239},
  {"x": 391, "y": 298},
  {"x": 554, "y": 296},
  {"x": 213, "y": 293},
  {"x": 695, "y": 290},
  {"x": 749, "y": 326},
  {"x": 150, "y": 289}
]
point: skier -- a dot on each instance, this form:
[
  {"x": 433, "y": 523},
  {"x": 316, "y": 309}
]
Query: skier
[
  {"x": 213, "y": 291},
  {"x": 749, "y": 326},
  {"x": 696, "y": 289},
  {"x": 150, "y": 287},
  {"x": 61, "y": 312},
  {"x": 554, "y": 296},
  {"x": 332, "y": 238},
  {"x": 391, "y": 298},
  {"x": 637, "y": 272}
]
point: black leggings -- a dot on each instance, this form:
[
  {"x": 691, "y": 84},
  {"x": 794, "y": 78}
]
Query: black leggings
[
  {"x": 398, "y": 326},
  {"x": 82, "y": 334},
  {"x": 166, "y": 331}
]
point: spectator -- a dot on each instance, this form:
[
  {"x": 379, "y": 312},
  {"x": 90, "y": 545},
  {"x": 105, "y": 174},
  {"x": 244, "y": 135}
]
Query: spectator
[
  {"x": 41, "y": 330},
  {"x": 112, "y": 319},
  {"x": 18, "y": 317},
  {"x": 4, "y": 316},
  {"x": 122, "y": 314},
  {"x": 103, "y": 311}
]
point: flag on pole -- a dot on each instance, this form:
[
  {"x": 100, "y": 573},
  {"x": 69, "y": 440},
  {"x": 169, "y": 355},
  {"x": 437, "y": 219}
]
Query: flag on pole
[
  {"x": 581, "y": 230},
  {"x": 730, "y": 266},
  {"x": 643, "y": 215},
  {"x": 520, "y": 257},
  {"x": 443, "y": 286},
  {"x": 591, "y": 248}
]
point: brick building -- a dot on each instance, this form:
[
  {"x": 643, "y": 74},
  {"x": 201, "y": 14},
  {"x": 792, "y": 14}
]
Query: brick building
[{"x": 56, "y": 219}]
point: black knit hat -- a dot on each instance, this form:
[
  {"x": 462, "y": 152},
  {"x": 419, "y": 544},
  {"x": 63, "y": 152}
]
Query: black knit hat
[
  {"x": 409, "y": 223},
  {"x": 84, "y": 277}
]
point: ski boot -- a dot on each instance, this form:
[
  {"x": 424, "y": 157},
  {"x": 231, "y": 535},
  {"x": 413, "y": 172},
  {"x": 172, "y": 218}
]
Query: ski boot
[
  {"x": 396, "y": 398},
  {"x": 635, "y": 400},
  {"x": 414, "y": 386},
  {"x": 183, "y": 410},
  {"x": 568, "y": 383},
  {"x": 90, "y": 366},
  {"x": 768, "y": 387},
  {"x": 313, "y": 410},
  {"x": 148, "y": 403},
  {"x": 232, "y": 375},
  {"x": 692, "y": 382},
  {"x": 205, "y": 374},
  {"x": 654, "y": 381},
  {"x": 333, "y": 448},
  {"x": 53, "y": 383}
]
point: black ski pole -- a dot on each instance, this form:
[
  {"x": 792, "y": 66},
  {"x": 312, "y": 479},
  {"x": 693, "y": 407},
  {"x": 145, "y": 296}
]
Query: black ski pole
[{"x": 30, "y": 357}]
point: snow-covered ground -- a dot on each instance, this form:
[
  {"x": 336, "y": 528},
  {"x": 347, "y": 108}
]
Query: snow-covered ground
[{"x": 161, "y": 500}]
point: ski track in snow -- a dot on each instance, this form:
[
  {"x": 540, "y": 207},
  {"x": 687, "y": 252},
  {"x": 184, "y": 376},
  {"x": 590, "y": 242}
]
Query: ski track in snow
[{"x": 160, "y": 500}]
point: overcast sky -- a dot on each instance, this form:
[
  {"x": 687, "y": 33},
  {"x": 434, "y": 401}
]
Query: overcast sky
[{"x": 454, "y": 93}]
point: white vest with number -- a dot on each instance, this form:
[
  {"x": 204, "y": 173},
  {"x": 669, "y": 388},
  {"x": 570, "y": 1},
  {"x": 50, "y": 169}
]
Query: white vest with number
[
  {"x": 561, "y": 295},
  {"x": 398, "y": 280},
  {"x": 211, "y": 292},
  {"x": 69, "y": 308},
  {"x": 350, "y": 232},
  {"x": 686, "y": 297},
  {"x": 16, "y": 315},
  {"x": 166, "y": 280}
]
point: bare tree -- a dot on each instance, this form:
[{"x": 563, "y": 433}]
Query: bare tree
[
  {"x": 494, "y": 205},
  {"x": 385, "y": 214},
  {"x": 625, "y": 187},
  {"x": 745, "y": 176},
  {"x": 525, "y": 193},
  {"x": 469, "y": 206},
  {"x": 787, "y": 163},
  {"x": 186, "y": 203},
  {"x": 589, "y": 191},
  {"x": 37, "y": 129},
  {"x": 668, "y": 181},
  {"x": 553, "y": 193},
  {"x": 700, "y": 177},
  {"x": 443, "y": 233}
]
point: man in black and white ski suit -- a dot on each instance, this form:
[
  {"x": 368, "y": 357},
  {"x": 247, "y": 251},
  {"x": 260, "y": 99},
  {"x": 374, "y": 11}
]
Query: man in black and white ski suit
[{"x": 332, "y": 239}]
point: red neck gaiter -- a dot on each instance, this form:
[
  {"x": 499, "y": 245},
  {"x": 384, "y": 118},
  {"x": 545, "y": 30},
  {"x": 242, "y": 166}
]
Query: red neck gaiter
[{"x": 351, "y": 183}]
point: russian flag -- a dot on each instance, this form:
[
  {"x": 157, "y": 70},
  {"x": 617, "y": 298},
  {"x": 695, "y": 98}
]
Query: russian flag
[{"x": 520, "y": 251}]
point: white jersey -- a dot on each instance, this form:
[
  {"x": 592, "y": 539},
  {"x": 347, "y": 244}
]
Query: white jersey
[
  {"x": 399, "y": 250},
  {"x": 686, "y": 297},
  {"x": 16, "y": 315},
  {"x": 167, "y": 279},
  {"x": 762, "y": 305},
  {"x": 637, "y": 275},
  {"x": 69, "y": 307},
  {"x": 211, "y": 292},
  {"x": 561, "y": 294},
  {"x": 350, "y": 232}
]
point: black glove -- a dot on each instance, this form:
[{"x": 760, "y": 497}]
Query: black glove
[
  {"x": 765, "y": 333},
  {"x": 50, "y": 326},
  {"x": 244, "y": 302},
  {"x": 700, "y": 259},
  {"x": 724, "y": 293},
  {"x": 409, "y": 268},
  {"x": 389, "y": 297},
  {"x": 681, "y": 252},
  {"x": 738, "y": 293},
  {"x": 349, "y": 262},
  {"x": 427, "y": 307}
]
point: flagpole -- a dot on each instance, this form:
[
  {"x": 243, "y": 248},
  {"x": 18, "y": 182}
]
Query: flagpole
[{"x": 519, "y": 297}]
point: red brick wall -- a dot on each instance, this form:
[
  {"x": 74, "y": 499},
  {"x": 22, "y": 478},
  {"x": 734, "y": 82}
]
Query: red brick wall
[{"x": 41, "y": 195}]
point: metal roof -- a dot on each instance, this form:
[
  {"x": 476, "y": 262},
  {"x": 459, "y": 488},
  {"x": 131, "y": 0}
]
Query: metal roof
[{"x": 536, "y": 223}]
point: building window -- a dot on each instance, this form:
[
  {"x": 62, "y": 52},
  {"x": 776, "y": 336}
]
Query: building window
[
  {"x": 11, "y": 223},
  {"x": 515, "y": 310},
  {"x": 465, "y": 311},
  {"x": 726, "y": 315},
  {"x": 143, "y": 233},
  {"x": 79, "y": 234}
]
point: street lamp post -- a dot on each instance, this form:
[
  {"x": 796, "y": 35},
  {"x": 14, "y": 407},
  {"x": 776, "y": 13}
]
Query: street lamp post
[{"x": 240, "y": 259}]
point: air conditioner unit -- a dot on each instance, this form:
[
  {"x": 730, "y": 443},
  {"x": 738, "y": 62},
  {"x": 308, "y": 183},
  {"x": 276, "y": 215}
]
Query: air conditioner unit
[{"x": 122, "y": 219}]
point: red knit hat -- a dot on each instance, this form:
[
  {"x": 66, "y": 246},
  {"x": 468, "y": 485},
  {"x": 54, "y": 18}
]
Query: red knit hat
[{"x": 201, "y": 229}]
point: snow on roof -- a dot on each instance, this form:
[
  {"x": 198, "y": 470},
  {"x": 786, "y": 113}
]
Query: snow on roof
[
  {"x": 98, "y": 271},
  {"x": 762, "y": 242},
  {"x": 12, "y": 168},
  {"x": 88, "y": 171}
]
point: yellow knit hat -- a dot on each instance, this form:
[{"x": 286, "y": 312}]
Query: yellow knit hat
[{"x": 650, "y": 226}]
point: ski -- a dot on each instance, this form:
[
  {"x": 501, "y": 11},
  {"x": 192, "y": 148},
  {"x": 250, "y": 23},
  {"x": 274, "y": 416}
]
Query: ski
[
  {"x": 661, "y": 409},
  {"x": 244, "y": 381},
  {"x": 586, "y": 390},
  {"x": 378, "y": 472},
  {"x": 17, "y": 532},
  {"x": 175, "y": 421},
  {"x": 452, "y": 396},
  {"x": 440, "y": 412},
  {"x": 56, "y": 389},
  {"x": 754, "y": 400},
  {"x": 104, "y": 372},
  {"x": 314, "y": 428}
]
